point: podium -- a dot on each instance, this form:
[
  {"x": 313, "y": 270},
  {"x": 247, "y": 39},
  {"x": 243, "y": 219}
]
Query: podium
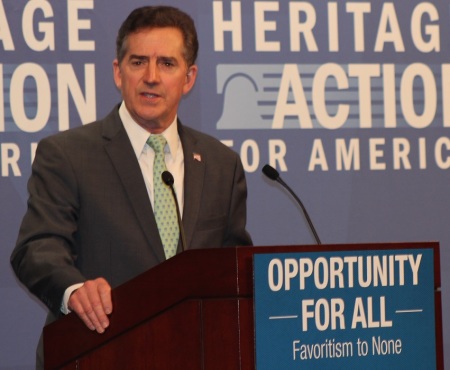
[{"x": 194, "y": 311}]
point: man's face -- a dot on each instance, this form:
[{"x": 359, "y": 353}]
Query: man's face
[{"x": 153, "y": 76}]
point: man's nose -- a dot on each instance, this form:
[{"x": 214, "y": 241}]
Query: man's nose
[{"x": 152, "y": 73}]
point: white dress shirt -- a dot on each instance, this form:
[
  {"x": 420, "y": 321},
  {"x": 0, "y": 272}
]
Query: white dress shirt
[{"x": 145, "y": 155}]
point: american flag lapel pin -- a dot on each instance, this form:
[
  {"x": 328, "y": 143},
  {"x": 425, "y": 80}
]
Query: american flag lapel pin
[{"x": 197, "y": 157}]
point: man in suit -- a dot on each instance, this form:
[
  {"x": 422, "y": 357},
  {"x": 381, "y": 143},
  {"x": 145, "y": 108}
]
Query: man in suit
[{"x": 90, "y": 225}]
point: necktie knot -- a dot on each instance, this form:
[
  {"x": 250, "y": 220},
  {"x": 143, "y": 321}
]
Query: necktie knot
[{"x": 157, "y": 143}]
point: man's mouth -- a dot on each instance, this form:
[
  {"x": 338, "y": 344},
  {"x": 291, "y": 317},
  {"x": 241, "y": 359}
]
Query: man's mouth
[{"x": 150, "y": 95}]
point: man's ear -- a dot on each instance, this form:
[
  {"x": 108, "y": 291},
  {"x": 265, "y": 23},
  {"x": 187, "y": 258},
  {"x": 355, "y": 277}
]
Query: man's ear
[
  {"x": 191, "y": 76},
  {"x": 117, "y": 74}
]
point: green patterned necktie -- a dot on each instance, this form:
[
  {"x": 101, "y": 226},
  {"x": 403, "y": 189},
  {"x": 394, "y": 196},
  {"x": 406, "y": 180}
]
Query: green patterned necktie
[{"x": 164, "y": 204}]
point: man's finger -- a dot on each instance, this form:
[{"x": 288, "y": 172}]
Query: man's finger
[
  {"x": 92, "y": 303},
  {"x": 77, "y": 303},
  {"x": 104, "y": 290},
  {"x": 98, "y": 291}
]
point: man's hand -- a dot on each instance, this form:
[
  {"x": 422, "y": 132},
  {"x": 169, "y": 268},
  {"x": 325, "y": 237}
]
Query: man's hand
[{"x": 92, "y": 303}]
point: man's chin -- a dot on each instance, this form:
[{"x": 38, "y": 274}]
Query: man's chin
[{"x": 152, "y": 123}]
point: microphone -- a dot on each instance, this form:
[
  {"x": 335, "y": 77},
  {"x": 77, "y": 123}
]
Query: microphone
[
  {"x": 168, "y": 179},
  {"x": 273, "y": 174}
]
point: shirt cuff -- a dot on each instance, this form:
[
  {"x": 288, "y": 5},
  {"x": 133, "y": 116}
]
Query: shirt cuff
[{"x": 65, "y": 302}]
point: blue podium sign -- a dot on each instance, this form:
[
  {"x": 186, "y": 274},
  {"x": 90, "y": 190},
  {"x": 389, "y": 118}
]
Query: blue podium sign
[{"x": 371, "y": 309}]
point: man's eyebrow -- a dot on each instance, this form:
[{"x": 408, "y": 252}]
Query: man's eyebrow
[
  {"x": 161, "y": 58},
  {"x": 167, "y": 59},
  {"x": 140, "y": 57}
]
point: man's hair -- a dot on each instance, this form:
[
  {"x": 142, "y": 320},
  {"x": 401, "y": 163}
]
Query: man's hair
[{"x": 159, "y": 17}]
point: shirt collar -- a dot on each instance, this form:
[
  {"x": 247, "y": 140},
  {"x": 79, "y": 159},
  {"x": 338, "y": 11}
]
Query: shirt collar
[{"x": 138, "y": 135}]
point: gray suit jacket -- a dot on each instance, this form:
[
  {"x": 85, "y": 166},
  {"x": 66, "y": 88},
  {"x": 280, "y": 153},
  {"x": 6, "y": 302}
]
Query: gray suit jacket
[{"x": 89, "y": 214}]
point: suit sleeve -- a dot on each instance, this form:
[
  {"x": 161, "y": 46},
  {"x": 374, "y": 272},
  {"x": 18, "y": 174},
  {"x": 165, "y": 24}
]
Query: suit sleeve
[{"x": 45, "y": 252}]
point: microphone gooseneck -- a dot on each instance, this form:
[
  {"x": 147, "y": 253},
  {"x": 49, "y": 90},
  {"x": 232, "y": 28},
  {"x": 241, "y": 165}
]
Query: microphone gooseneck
[
  {"x": 273, "y": 174},
  {"x": 168, "y": 179}
]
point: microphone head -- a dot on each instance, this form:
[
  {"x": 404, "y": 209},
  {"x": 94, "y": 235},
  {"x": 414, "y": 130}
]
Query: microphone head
[
  {"x": 270, "y": 172},
  {"x": 167, "y": 178}
]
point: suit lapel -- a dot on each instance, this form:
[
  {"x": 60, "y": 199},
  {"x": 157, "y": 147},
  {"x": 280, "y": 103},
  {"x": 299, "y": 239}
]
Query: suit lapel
[
  {"x": 194, "y": 174},
  {"x": 122, "y": 156}
]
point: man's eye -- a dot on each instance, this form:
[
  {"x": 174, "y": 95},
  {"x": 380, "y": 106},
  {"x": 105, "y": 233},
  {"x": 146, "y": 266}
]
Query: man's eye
[{"x": 167, "y": 63}]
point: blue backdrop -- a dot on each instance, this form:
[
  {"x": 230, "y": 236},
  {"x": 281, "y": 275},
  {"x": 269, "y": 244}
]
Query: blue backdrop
[{"x": 350, "y": 101}]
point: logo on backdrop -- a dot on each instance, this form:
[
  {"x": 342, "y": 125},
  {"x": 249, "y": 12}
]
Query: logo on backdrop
[
  {"x": 331, "y": 96},
  {"x": 40, "y": 97},
  {"x": 405, "y": 100}
]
